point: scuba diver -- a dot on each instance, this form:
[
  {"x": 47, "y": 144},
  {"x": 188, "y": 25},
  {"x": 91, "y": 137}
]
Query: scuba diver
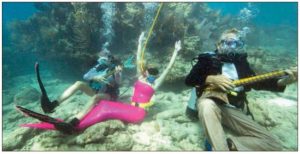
[
  {"x": 102, "y": 85},
  {"x": 149, "y": 80},
  {"x": 218, "y": 102}
]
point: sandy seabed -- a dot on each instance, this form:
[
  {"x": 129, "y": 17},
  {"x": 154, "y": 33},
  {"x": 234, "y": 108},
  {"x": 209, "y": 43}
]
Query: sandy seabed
[{"x": 166, "y": 127}]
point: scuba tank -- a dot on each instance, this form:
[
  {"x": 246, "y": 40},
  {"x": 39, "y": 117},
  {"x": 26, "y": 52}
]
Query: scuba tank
[
  {"x": 192, "y": 100},
  {"x": 191, "y": 109}
]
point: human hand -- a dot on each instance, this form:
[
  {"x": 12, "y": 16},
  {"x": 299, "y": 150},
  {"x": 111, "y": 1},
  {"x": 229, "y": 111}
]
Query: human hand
[
  {"x": 220, "y": 82},
  {"x": 99, "y": 79},
  {"x": 142, "y": 37},
  {"x": 118, "y": 68},
  {"x": 292, "y": 77},
  {"x": 177, "y": 46}
]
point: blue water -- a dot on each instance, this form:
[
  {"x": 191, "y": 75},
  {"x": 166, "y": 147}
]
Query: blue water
[
  {"x": 269, "y": 13},
  {"x": 14, "y": 11},
  {"x": 17, "y": 11},
  {"x": 275, "y": 13}
]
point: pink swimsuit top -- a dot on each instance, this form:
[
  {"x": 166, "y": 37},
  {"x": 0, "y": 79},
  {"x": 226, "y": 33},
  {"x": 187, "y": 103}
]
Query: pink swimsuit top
[{"x": 142, "y": 92}]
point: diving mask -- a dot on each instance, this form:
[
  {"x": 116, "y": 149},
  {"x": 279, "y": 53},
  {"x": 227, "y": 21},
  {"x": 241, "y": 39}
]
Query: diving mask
[
  {"x": 232, "y": 43},
  {"x": 102, "y": 60},
  {"x": 232, "y": 46},
  {"x": 103, "y": 63}
]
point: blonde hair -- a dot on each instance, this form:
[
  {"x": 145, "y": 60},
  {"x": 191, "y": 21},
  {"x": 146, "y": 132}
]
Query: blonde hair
[{"x": 233, "y": 31}]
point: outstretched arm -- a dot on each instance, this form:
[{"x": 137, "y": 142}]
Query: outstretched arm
[
  {"x": 161, "y": 78},
  {"x": 139, "y": 54},
  {"x": 291, "y": 78}
]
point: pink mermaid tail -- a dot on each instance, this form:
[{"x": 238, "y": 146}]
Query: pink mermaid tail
[
  {"x": 107, "y": 110},
  {"x": 41, "y": 125},
  {"x": 104, "y": 110}
]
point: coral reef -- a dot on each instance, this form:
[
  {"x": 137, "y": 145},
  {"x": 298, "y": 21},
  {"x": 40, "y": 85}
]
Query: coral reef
[
  {"x": 60, "y": 31},
  {"x": 266, "y": 59},
  {"x": 74, "y": 32}
]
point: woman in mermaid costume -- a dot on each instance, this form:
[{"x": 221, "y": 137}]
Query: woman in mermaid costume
[{"x": 135, "y": 112}]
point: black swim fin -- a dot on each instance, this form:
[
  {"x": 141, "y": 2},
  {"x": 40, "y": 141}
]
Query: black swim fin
[
  {"x": 47, "y": 105},
  {"x": 64, "y": 127},
  {"x": 41, "y": 117}
]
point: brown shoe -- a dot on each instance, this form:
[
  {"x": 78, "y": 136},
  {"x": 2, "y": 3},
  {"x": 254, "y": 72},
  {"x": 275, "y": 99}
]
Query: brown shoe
[{"x": 231, "y": 145}]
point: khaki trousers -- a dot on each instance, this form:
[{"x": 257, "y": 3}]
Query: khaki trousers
[{"x": 250, "y": 135}]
